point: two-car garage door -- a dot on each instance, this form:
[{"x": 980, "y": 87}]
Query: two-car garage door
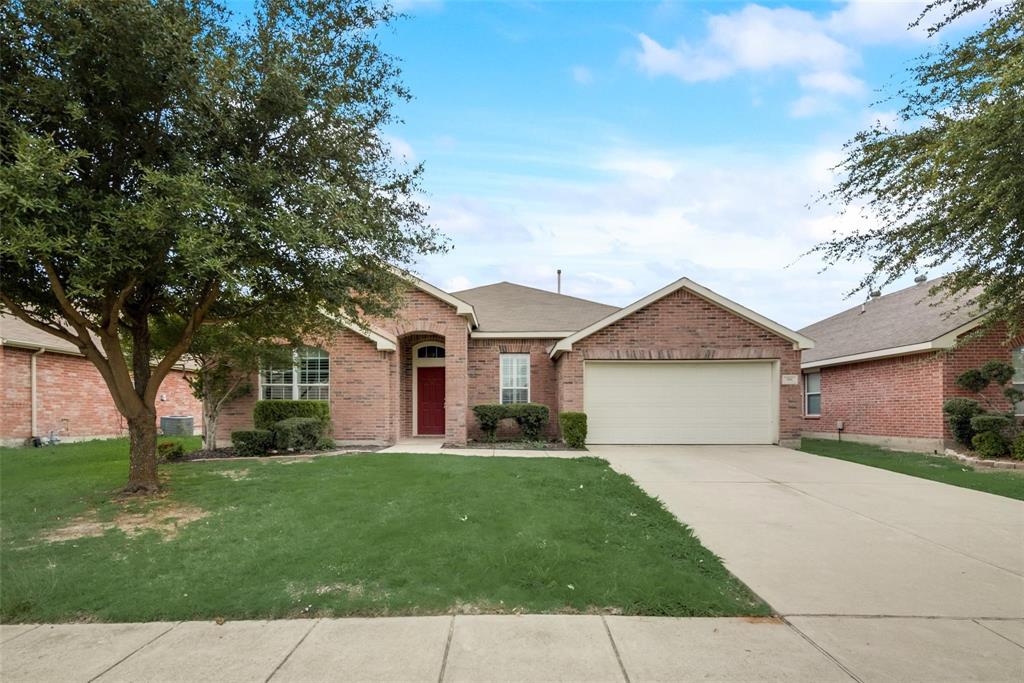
[{"x": 687, "y": 402}]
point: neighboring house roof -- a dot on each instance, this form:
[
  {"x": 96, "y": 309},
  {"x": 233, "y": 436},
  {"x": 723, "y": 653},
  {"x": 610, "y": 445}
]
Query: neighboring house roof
[
  {"x": 16, "y": 332},
  {"x": 507, "y": 309},
  {"x": 907, "y": 321},
  {"x": 799, "y": 340}
]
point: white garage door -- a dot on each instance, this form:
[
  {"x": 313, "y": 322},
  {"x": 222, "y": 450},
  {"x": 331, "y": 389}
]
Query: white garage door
[{"x": 717, "y": 402}]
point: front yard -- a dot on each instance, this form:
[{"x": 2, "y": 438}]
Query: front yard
[
  {"x": 1009, "y": 483},
  {"x": 354, "y": 535}
]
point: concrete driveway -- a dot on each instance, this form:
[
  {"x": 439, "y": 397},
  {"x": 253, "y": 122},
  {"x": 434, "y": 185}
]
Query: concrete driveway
[{"x": 864, "y": 562}]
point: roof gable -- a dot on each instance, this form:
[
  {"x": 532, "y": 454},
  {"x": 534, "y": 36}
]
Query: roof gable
[
  {"x": 462, "y": 308},
  {"x": 799, "y": 340}
]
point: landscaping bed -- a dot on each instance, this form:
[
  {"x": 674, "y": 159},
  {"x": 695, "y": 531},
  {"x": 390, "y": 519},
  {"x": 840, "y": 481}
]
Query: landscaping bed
[
  {"x": 521, "y": 445},
  {"x": 1001, "y": 482},
  {"x": 228, "y": 453},
  {"x": 365, "y": 534}
]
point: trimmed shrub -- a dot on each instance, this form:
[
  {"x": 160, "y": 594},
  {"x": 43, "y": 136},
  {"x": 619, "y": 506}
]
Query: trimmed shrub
[
  {"x": 488, "y": 415},
  {"x": 266, "y": 414},
  {"x": 253, "y": 441},
  {"x": 997, "y": 371},
  {"x": 170, "y": 451},
  {"x": 959, "y": 412},
  {"x": 574, "y": 429},
  {"x": 325, "y": 443},
  {"x": 972, "y": 380},
  {"x": 532, "y": 418},
  {"x": 1017, "y": 450},
  {"x": 298, "y": 433},
  {"x": 990, "y": 422},
  {"x": 991, "y": 444}
]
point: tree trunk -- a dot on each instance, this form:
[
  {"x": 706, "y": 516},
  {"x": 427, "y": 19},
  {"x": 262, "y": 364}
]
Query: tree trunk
[
  {"x": 142, "y": 477},
  {"x": 209, "y": 423}
]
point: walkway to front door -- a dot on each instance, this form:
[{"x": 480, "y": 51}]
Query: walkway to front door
[{"x": 430, "y": 400}]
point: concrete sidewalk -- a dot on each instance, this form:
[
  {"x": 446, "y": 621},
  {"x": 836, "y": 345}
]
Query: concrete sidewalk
[{"x": 517, "y": 648}]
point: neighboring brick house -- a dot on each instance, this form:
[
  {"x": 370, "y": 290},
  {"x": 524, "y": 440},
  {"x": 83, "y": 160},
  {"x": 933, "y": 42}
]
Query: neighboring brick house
[
  {"x": 682, "y": 365},
  {"x": 47, "y": 387},
  {"x": 885, "y": 368}
]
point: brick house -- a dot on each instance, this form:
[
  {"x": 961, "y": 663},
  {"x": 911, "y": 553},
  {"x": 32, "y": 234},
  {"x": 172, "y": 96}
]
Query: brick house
[
  {"x": 48, "y": 387},
  {"x": 885, "y": 368},
  {"x": 682, "y": 365}
]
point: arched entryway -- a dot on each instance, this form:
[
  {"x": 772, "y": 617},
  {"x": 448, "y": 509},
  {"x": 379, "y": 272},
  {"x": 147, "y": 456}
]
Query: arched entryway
[{"x": 428, "y": 388}]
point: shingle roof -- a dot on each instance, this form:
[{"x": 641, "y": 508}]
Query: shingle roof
[
  {"x": 16, "y": 332},
  {"x": 507, "y": 307},
  {"x": 908, "y": 316}
]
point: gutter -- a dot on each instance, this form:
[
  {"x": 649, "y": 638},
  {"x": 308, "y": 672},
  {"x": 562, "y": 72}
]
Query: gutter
[{"x": 35, "y": 410}]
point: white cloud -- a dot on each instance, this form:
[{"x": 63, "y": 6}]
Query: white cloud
[
  {"x": 736, "y": 221},
  {"x": 401, "y": 150},
  {"x": 645, "y": 167},
  {"x": 760, "y": 38},
  {"x": 835, "y": 82},
  {"x": 807, "y": 106},
  {"x": 822, "y": 51},
  {"x": 683, "y": 62},
  {"x": 582, "y": 75},
  {"x": 878, "y": 21},
  {"x": 457, "y": 283},
  {"x": 754, "y": 38}
]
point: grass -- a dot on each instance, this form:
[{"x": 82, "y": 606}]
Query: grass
[
  {"x": 1008, "y": 483},
  {"x": 367, "y": 534}
]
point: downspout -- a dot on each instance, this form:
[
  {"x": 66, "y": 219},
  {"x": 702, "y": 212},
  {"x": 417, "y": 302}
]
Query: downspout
[{"x": 35, "y": 409}]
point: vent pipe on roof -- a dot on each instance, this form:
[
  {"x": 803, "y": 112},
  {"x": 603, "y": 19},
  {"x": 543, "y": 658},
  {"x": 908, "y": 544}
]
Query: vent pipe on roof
[{"x": 559, "y": 271}]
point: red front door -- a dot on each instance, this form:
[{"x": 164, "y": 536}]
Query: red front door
[{"x": 430, "y": 400}]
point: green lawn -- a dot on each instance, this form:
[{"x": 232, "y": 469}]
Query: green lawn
[
  {"x": 1009, "y": 483},
  {"x": 356, "y": 535}
]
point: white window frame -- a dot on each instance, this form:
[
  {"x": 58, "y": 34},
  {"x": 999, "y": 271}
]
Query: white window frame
[
  {"x": 817, "y": 393},
  {"x": 501, "y": 376},
  {"x": 1017, "y": 382},
  {"x": 296, "y": 384}
]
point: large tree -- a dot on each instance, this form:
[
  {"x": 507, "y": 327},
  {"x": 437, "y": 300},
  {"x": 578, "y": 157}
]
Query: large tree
[
  {"x": 944, "y": 187},
  {"x": 162, "y": 160}
]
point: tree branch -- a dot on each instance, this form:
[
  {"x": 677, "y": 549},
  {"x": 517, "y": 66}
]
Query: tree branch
[
  {"x": 26, "y": 317},
  {"x": 111, "y": 318},
  {"x": 176, "y": 351},
  {"x": 58, "y": 290}
]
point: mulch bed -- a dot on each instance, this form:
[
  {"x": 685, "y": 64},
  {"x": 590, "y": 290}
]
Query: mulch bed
[
  {"x": 523, "y": 445},
  {"x": 228, "y": 452}
]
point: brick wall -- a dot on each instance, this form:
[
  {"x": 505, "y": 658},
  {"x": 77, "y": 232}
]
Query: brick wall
[
  {"x": 361, "y": 393},
  {"x": 485, "y": 378},
  {"x": 422, "y": 314},
  {"x": 72, "y": 398},
  {"x": 977, "y": 351},
  {"x": 683, "y": 326},
  {"x": 902, "y": 397},
  {"x": 371, "y": 390},
  {"x": 894, "y": 397}
]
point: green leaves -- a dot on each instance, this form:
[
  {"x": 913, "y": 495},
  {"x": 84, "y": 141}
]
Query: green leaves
[
  {"x": 194, "y": 154},
  {"x": 944, "y": 186}
]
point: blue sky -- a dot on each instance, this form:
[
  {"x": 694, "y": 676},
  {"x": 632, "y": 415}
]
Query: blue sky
[{"x": 633, "y": 143}]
